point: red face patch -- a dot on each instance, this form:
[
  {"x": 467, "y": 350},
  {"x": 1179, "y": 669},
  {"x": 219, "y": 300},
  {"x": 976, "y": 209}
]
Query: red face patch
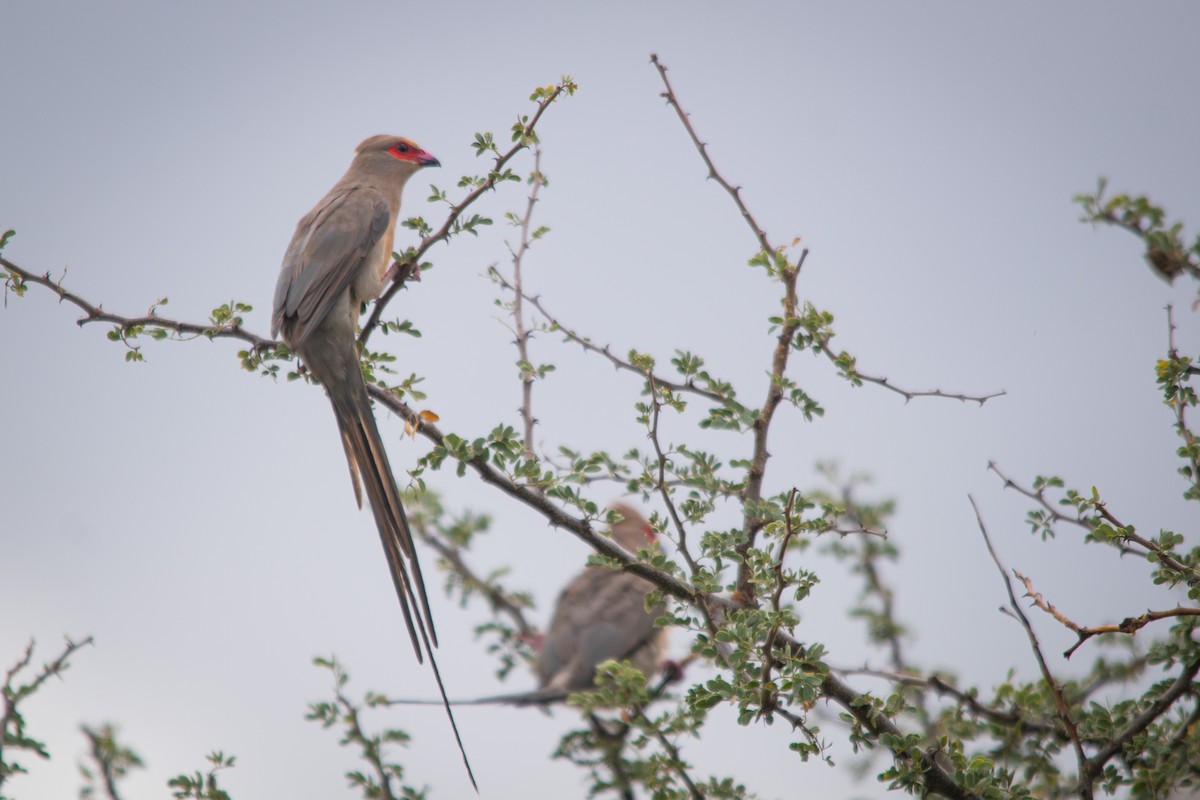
[{"x": 404, "y": 150}]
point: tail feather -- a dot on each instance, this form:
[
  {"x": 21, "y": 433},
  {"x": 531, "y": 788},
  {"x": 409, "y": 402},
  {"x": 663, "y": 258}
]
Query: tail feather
[
  {"x": 368, "y": 460},
  {"x": 540, "y": 697}
]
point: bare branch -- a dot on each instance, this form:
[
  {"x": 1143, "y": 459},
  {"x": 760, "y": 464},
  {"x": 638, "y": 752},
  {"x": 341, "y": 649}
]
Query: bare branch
[
  {"x": 689, "y": 387},
  {"x": 1064, "y": 711},
  {"x": 518, "y": 313},
  {"x": 839, "y": 361},
  {"x": 94, "y": 313},
  {"x": 1089, "y": 524},
  {"x": 1129, "y": 625}
]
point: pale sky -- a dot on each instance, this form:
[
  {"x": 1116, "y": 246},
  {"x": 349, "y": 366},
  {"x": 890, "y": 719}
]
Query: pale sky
[{"x": 196, "y": 520}]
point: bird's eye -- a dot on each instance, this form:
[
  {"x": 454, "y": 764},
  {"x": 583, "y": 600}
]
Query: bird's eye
[{"x": 401, "y": 148}]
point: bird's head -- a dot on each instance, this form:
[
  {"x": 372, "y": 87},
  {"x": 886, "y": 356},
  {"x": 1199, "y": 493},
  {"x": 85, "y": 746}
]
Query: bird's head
[
  {"x": 394, "y": 156},
  {"x": 633, "y": 532}
]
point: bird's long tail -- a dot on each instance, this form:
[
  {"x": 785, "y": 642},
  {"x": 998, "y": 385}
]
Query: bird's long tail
[
  {"x": 368, "y": 461},
  {"x": 536, "y": 697}
]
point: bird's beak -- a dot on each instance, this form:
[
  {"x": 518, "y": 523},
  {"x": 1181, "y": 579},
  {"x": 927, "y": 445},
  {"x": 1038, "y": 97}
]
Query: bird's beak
[{"x": 428, "y": 160}]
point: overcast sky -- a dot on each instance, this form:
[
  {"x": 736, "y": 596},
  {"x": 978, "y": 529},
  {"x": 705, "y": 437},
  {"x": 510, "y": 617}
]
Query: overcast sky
[{"x": 197, "y": 520}]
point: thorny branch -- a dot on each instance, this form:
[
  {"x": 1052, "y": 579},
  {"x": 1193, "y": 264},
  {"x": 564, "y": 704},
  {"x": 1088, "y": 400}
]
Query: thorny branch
[
  {"x": 768, "y": 701},
  {"x": 1129, "y": 625},
  {"x": 606, "y": 351},
  {"x": 851, "y": 371},
  {"x": 11, "y": 724},
  {"x": 1064, "y": 711},
  {"x": 788, "y": 274},
  {"x": 673, "y": 754},
  {"x": 1089, "y": 524},
  {"x": 1179, "y": 405},
  {"x": 95, "y": 313},
  {"x": 1182, "y": 685},
  {"x": 518, "y": 312},
  {"x": 660, "y": 481}
]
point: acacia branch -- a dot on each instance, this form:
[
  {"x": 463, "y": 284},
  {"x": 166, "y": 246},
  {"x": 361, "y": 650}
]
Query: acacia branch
[
  {"x": 676, "y": 759},
  {"x": 850, "y": 371},
  {"x": 1179, "y": 405},
  {"x": 1126, "y": 532},
  {"x": 768, "y": 702},
  {"x": 1129, "y": 625},
  {"x": 96, "y": 313},
  {"x": 606, "y": 351},
  {"x": 1064, "y": 711},
  {"x": 939, "y": 781},
  {"x": 12, "y": 726},
  {"x": 518, "y": 312},
  {"x": 734, "y": 191},
  {"x": 660, "y": 481},
  {"x": 1182, "y": 686}
]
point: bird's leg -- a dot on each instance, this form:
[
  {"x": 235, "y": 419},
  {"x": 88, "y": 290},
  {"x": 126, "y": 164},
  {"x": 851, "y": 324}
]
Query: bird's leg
[
  {"x": 407, "y": 271},
  {"x": 534, "y": 641},
  {"x": 672, "y": 670}
]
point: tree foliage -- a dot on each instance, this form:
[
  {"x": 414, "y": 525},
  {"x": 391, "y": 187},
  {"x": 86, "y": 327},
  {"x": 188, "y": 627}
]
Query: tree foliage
[{"x": 734, "y": 591}]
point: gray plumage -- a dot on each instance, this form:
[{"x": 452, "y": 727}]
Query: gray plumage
[
  {"x": 601, "y": 615},
  {"x": 337, "y": 261}
]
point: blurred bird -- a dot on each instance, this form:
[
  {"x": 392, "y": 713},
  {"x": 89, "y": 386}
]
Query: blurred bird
[
  {"x": 338, "y": 260},
  {"x": 600, "y": 615}
]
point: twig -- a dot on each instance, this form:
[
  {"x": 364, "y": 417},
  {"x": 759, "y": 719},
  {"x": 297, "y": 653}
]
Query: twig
[
  {"x": 11, "y": 723},
  {"x": 518, "y": 312},
  {"x": 1180, "y": 406},
  {"x": 752, "y": 495},
  {"x": 606, "y": 351},
  {"x": 1089, "y": 524},
  {"x": 907, "y": 394},
  {"x": 734, "y": 191},
  {"x": 1182, "y": 686},
  {"x": 1064, "y": 711},
  {"x": 672, "y": 753},
  {"x": 768, "y": 702},
  {"x": 94, "y": 313},
  {"x": 1129, "y": 625},
  {"x": 681, "y": 542}
]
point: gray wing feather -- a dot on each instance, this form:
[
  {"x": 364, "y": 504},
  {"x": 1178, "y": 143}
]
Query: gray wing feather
[{"x": 328, "y": 249}]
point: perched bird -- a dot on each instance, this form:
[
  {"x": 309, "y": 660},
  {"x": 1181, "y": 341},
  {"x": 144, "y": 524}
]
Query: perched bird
[
  {"x": 338, "y": 260},
  {"x": 601, "y": 615}
]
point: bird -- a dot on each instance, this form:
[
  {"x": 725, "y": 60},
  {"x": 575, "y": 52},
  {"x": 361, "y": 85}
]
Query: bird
[
  {"x": 600, "y": 615},
  {"x": 338, "y": 259}
]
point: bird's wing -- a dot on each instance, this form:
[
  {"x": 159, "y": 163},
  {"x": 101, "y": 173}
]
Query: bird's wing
[
  {"x": 330, "y": 246},
  {"x": 600, "y": 615}
]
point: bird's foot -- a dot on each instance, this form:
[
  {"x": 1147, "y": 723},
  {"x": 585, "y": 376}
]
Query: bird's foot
[
  {"x": 533, "y": 640},
  {"x": 672, "y": 670},
  {"x": 410, "y": 271}
]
